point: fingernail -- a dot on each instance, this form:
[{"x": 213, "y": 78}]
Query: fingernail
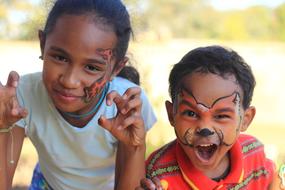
[
  {"x": 124, "y": 97},
  {"x": 120, "y": 127},
  {"x": 123, "y": 111},
  {"x": 108, "y": 102}
]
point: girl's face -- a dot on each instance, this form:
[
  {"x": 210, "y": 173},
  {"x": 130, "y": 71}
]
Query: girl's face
[
  {"x": 208, "y": 117},
  {"x": 78, "y": 61}
]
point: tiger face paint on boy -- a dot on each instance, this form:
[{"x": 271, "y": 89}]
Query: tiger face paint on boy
[
  {"x": 229, "y": 106},
  {"x": 96, "y": 88}
]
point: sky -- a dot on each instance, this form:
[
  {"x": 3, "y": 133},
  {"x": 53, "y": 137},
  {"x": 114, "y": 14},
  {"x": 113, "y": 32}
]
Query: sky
[{"x": 242, "y": 4}]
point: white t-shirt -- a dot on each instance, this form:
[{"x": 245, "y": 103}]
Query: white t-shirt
[{"x": 70, "y": 157}]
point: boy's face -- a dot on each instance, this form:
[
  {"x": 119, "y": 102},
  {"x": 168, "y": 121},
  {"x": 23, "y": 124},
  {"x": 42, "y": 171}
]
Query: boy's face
[
  {"x": 78, "y": 61},
  {"x": 208, "y": 116}
]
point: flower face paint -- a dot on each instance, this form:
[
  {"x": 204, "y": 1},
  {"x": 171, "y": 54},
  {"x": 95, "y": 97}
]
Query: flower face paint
[{"x": 207, "y": 118}]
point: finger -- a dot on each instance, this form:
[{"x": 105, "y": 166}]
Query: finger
[
  {"x": 135, "y": 120},
  {"x": 13, "y": 79},
  {"x": 114, "y": 96},
  {"x": 157, "y": 183},
  {"x": 131, "y": 92},
  {"x": 105, "y": 123},
  {"x": 147, "y": 184},
  {"x": 134, "y": 104}
]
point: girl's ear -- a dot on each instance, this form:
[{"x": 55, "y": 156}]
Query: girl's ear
[
  {"x": 170, "y": 112},
  {"x": 42, "y": 39},
  {"x": 248, "y": 117},
  {"x": 119, "y": 66}
]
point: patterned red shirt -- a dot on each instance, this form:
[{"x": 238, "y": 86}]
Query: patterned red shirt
[{"x": 250, "y": 169}]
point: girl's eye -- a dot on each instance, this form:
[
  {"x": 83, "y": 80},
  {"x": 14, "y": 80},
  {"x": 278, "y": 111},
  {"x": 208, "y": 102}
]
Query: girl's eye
[
  {"x": 189, "y": 113},
  {"x": 60, "y": 58},
  {"x": 92, "y": 68}
]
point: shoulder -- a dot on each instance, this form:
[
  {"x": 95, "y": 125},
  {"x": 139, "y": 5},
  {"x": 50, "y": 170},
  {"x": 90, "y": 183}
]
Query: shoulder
[
  {"x": 254, "y": 155},
  {"x": 120, "y": 84},
  {"x": 162, "y": 161},
  {"x": 250, "y": 144}
]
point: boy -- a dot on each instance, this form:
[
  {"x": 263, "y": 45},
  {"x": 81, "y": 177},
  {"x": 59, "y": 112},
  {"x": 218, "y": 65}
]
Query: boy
[{"x": 211, "y": 90}]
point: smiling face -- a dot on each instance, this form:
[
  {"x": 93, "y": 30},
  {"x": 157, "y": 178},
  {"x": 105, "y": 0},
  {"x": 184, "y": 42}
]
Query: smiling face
[
  {"x": 208, "y": 117},
  {"x": 78, "y": 61}
]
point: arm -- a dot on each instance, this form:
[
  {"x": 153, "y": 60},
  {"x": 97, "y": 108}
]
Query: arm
[
  {"x": 128, "y": 127},
  {"x": 130, "y": 167},
  {"x": 8, "y": 159},
  {"x": 11, "y": 139}
]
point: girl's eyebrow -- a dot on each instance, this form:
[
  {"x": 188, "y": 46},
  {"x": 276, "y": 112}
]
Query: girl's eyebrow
[{"x": 96, "y": 60}]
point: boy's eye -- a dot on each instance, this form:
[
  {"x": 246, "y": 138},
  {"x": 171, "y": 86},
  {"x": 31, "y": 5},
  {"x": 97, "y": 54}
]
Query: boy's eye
[
  {"x": 189, "y": 113},
  {"x": 222, "y": 116}
]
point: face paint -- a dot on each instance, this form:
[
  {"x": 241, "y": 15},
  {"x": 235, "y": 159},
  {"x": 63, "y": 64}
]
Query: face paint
[
  {"x": 96, "y": 88},
  {"x": 200, "y": 111}
]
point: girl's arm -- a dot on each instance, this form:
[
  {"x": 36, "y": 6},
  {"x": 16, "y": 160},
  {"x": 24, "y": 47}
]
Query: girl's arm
[
  {"x": 11, "y": 138},
  {"x": 128, "y": 127},
  {"x": 130, "y": 167},
  {"x": 10, "y": 148}
]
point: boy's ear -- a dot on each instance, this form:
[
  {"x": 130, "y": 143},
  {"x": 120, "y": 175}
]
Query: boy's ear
[
  {"x": 169, "y": 108},
  {"x": 248, "y": 117},
  {"x": 119, "y": 66},
  {"x": 42, "y": 39}
]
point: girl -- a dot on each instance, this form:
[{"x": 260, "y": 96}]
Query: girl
[{"x": 87, "y": 125}]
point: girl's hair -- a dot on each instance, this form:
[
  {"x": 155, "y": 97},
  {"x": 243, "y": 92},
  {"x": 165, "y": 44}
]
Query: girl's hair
[
  {"x": 108, "y": 12},
  {"x": 216, "y": 60}
]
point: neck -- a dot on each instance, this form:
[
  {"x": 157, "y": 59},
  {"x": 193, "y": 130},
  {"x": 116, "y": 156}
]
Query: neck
[
  {"x": 79, "y": 118},
  {"x": 221, "y": 171}
]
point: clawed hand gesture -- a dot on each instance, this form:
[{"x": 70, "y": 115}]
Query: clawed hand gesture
[
  {"x": 127, "y": 126},
  {"x": 10, "y": 110}
]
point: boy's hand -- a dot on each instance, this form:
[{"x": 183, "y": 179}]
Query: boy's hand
[
  {"x": 150, "y": 184},
  {"x": 128, "y": 125},
  {"x": 10, "y": 111}
]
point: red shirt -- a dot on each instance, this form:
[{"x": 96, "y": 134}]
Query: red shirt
[{"x": 250, "y": 169}]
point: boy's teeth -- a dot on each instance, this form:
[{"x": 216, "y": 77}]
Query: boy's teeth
[{"x": 206, "y": 145}]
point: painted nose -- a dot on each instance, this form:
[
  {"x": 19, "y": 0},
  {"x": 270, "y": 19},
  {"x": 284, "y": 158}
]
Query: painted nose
[
  {"x": 204, "y": 132},
  {"x": 69, "y": 79}
]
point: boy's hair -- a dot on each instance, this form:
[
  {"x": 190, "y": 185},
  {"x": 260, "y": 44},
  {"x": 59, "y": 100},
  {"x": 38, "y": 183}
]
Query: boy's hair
[
  {"x": 108, "y": 12},
  {"x": 216, "y": 60}
]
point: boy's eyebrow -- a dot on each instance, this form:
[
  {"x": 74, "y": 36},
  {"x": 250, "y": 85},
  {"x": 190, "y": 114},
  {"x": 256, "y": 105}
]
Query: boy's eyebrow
[
  {"x": 101, "y": 61},
  {"x": 227, "y": 109},
  {"x": 188, "y": 104}
]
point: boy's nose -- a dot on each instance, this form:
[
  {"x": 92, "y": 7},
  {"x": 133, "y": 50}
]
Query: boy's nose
[
  {"x": 69, "y": 79},
  {"x": 205, "y": 132}
]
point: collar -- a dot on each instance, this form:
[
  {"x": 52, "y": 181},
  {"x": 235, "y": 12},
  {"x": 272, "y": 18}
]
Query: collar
[{"x": 197, "y": 180}]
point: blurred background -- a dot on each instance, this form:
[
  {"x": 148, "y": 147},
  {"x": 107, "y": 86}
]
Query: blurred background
[{"x": 165, "y": 30}]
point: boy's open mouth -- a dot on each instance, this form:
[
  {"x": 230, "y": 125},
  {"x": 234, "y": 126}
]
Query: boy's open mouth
[{"x": 206, "y": 151}]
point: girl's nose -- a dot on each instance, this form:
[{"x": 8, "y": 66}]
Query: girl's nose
[{"x": 69, "y": 79}]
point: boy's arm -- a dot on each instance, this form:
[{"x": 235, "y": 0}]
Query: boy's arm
[{"x": 130, "y": 166}]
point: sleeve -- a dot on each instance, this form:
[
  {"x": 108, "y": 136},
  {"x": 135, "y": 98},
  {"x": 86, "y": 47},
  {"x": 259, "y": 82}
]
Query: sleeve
[{"x": 147, "y": 112}]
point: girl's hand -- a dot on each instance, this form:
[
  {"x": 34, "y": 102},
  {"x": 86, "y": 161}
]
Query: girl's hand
[
  {"x": 10, "y": 111},
  {"x": 150, "y": 184},
  {"x": 127, "y": 126}
]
